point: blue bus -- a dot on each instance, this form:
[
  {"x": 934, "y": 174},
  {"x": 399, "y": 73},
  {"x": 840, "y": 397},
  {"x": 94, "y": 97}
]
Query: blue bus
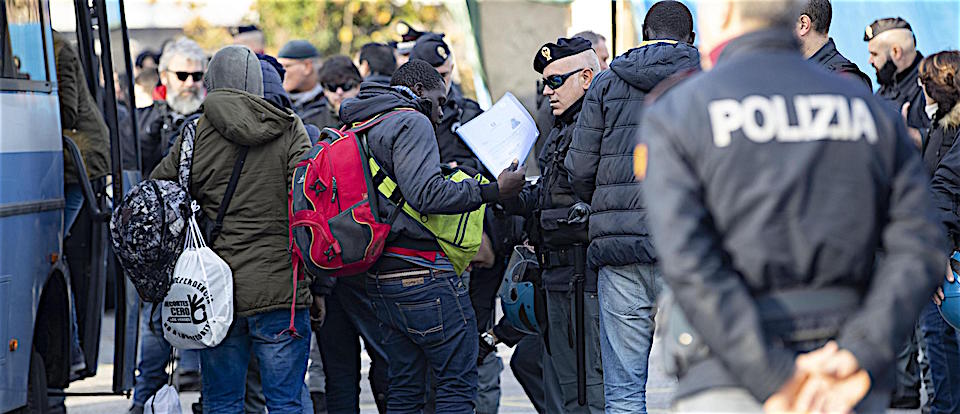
[{"x": 48, "y": 272}]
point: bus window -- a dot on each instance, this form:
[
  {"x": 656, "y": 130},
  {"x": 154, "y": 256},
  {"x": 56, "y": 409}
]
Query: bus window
[{"x": 22, "y": 51}]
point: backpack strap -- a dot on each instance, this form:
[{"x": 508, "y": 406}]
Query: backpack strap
[
  {"x": 372, "y": 169},
  {"x": 187, "y": 135},
  {"x": 228, "y": 194}
]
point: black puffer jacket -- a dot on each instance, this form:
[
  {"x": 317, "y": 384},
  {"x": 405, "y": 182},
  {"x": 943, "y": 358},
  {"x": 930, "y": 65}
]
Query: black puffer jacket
[
  {"x": 406, "y": 148},
  {"x": 600, "y": 159},
  {"x": 829, "y": 57}
]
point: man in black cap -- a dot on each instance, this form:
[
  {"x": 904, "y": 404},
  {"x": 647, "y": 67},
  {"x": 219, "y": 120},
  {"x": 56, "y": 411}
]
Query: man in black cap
[
  {"x": 813, "y": 27},
  {"x": 557, "y": 223},
  {"x": 302, "y": 62},
  {"x": 377, "y": 63},
  {"x": 457, "y": 110},
  {"x": 408, "y": 38},
  {"x": 768, "y": 224},
  {"x": 893, "y": 53},
  {"x": 601, "y": 166}
]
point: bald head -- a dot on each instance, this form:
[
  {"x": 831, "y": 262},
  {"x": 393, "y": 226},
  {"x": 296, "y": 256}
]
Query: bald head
[
  {"x": 898, "y": 46},
  {"x": 721, "y": 20},
  {"x": 579, "y": 70}
]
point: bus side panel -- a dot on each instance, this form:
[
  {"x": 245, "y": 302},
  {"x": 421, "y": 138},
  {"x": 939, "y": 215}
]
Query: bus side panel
[{"x": 31, "y": 222}]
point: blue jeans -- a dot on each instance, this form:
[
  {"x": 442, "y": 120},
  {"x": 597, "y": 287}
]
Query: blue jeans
[
  {"x": 350, "y": 316},
  {"x": 73, "y": 202},
  {"x": 427, "y": 323},
  {"x": 282, "y": 358},
  {"x": 628, "y": 304},
  {"x": 155, "y": 355},
  {"x": 943, "y": 352}
]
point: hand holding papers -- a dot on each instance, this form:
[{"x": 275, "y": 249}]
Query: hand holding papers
[{"x": 500, "y": 135}]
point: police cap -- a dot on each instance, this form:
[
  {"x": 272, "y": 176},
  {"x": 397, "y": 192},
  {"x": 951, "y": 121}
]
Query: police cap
[
  {"x": 564, "y": 47},
  {"x": 881, "y": 25},
  {"x": 431, "y": 48}
]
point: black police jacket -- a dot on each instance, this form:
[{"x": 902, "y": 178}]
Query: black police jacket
[
  {"x": 829, "y": 57},
  {"x": 600, "y": 158},
  {"x": 783, "y": 177},
  {"x": 905, "y": 89},
  {"x": 546, "y": 205},
  {"x": 457, "y": 111}
]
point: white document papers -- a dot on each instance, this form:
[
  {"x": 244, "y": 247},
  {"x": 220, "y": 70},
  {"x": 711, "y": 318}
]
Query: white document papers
[{"x": 500, "y": 135}]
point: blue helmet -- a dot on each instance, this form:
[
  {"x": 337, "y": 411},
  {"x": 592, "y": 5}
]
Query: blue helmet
[
  {"x": 522, "y": 301},
  {"x": 950, "y": 306}
]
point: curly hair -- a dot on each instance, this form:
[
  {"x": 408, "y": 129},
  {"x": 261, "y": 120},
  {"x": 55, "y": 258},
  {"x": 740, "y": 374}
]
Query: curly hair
[
  {"x": 417, "y": 71},
  {"x": 940, "y": 75}
]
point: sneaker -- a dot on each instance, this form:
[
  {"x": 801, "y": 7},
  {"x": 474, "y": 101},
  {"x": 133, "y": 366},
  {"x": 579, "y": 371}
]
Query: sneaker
[{"x": 137, "y": 409}]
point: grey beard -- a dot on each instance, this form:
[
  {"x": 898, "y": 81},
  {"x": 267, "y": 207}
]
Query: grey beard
[{"x": 184, "y": 105}]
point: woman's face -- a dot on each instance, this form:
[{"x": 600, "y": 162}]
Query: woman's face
[{"x": 923, "y": 86}]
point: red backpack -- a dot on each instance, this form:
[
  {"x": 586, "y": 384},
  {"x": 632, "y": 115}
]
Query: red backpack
[{"x": 334, "y": 228}]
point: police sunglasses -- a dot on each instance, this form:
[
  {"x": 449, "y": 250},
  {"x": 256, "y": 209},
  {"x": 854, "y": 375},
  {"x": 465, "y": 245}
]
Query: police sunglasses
[
  {"x": 556, "y": 81},
  {"x": 347, "y": 86},
  {"x": 183, "y": 76}
]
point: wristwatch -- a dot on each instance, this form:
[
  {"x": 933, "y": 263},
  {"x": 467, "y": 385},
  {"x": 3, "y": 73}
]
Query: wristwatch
[{"x": 489, "y": 338}]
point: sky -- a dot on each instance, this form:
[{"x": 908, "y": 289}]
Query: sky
[{"x": 936, "y": 23}]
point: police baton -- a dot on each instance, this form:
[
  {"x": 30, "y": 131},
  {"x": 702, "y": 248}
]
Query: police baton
[{"x": 579, "y": 277}]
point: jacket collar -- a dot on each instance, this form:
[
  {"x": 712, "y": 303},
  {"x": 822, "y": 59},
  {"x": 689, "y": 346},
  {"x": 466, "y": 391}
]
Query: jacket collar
[
  {"x": 911, "y": 72},
  {"x": 826, "y": 52},
  {"x": 764, "y": 40},
  {"x": 570, "y": 115}
]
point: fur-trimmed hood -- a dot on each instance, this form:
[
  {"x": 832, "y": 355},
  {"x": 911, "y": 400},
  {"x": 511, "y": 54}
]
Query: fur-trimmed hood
[{"x": 951, "y": 119}]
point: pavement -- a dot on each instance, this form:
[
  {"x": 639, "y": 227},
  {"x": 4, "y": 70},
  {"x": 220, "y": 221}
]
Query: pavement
[
  {"x": 660, "y": 386},
  {"x": 512, "y": 400}
]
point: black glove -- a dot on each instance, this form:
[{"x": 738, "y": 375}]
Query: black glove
[
  {"x": 484, "y": 350},
  {"x": 578, "y": 213}
]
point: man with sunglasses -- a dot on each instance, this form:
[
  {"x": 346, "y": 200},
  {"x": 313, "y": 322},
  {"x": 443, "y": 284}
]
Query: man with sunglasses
[
  {"x": 181, "y": 69},
  {"x": 600, "y": 166},
  {"x": 341, "y": 80},
  {"x": 557, "y": 224}
]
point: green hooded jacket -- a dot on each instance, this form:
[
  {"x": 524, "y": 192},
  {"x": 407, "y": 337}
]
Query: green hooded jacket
[
  {"x": 255, "y": 236},
  {"x": 80, "y": 117}
]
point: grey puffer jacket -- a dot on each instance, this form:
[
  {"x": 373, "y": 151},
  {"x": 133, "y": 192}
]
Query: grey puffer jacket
[
  {"x": 600, "y": 159},
  {"x": 405, "y": 146}
]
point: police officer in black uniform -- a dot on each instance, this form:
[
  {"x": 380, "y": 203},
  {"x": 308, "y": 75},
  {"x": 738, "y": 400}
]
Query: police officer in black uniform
[
  {"x": 556, "y": 220},
  {"x": 894, "y": 54},
  {"x": 768, "y": 205},
  {"x": 813, "y": 30},
  {"x": 457, "y": 110}
]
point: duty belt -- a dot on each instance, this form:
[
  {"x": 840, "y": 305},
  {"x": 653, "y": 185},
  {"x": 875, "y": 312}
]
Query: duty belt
[{"x": 562, "y": 257}]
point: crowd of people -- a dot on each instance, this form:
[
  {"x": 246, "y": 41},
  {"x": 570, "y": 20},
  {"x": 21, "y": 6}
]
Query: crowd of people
[{"x": 791, "y": 224}]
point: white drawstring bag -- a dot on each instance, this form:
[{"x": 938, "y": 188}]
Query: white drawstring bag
[
  {"x": 165, "y": 401},
  {"x": 198, "y": 309}
]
